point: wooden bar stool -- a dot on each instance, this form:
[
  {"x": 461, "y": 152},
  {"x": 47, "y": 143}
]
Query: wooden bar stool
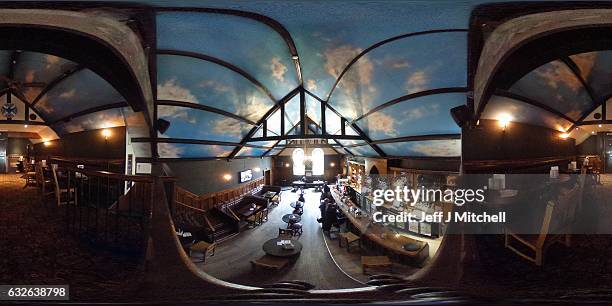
[{"x": 349, "y": 238}]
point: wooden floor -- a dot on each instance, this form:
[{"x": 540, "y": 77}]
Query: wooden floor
[{"x": 314, "y": 265}]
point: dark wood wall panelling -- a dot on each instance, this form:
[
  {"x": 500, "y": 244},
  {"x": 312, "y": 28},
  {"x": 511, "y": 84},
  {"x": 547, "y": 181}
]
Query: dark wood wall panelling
[
  {"x": 528, "y": 145},
  {"x": 434, "y": 164},
  {"x": 200, "y": 177},
  {"x": 85, "y": 145}
]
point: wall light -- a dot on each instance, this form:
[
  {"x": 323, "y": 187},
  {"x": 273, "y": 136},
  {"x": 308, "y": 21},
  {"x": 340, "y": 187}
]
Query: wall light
[
  {"x": 592, "y": 132},
  {"x": 564, "y": 136},
  {"x": 46, "y": 143},
  {"x": 256, "y": 169},
  {"x": 227, "y": 177},
  {"x": 25, "y": 126},
  {"x": 287, "y": 165},
  {"x": 504, "y": 120},
  {"x": 332, "y": 164},
  {"x": 600, "y": 125},
  {"x": 106, "y": 133}
]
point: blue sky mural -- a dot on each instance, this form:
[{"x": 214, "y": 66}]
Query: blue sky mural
[
  {"x": 522, "y": 112},
  {"x": 182, "y": 150},
  {"x": 555, "y": 85},
  {"x": 595, "y": 69},
  {"x": 186, "y": 79},
  {"x": 399, "y": 68},
  {"x": 269, "y": 143},
  {"x": 313, "y": 109},
  {"x": 39, "y": 67},
  {"x": 248, "y": 151},
  {"x": 348, "y": 142},
  {"x": 98, "y": 120},
  {"x": 197, "y": 124},
  {"x": 246, "y": 43},
  {"x": 426, "y": 148},
  {"x": 80, "y": 91},
  {"x": 365, "y": 150},
  {"x": 421, "y": 116}
]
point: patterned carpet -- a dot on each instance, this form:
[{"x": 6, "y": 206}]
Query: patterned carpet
[{"x": 36, "y": 249}]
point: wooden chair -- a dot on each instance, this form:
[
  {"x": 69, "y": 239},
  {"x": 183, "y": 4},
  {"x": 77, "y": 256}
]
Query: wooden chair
[
  {"x": 29, "y": 175},
  {"x": 556, "y": 226},
  {"x": 255, "y": 219},
  {"x": 64, "y": 194},
  {"x": 204, "y": 248},
  {"x": 45, "y": 184},
  {"x": 270, "y": 262}
]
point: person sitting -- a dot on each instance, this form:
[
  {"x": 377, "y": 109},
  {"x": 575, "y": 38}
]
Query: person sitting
[
  {"x": 301, "y": 198},
  {"x": 331, "y": 217},
  {"x": 323, "y": 207}
]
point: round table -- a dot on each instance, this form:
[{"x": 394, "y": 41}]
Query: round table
[
  {"x": 291, "y": 218},
  {"x": 272, "y": 248},
  {"x": 297, "y": 204}
]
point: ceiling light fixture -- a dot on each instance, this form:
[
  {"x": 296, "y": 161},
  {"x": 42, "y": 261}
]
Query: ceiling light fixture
[{"x": 564, "y": 136}]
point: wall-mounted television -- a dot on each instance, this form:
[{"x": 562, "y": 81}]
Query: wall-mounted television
[{"x": 246, "y": 176}]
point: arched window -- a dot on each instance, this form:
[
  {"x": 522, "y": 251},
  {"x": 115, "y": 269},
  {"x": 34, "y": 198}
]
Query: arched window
[
  {"x": 318, "y": 161},
  {"x": 298, "y": 162}
]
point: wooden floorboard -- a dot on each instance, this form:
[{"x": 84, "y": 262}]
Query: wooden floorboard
[{"x": 314, "y": 265}]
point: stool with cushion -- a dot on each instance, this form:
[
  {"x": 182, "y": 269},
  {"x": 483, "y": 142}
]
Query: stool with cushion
[
  {"x": 296, "y": 228},
  {"x": 375, "y": 262},
  {"x": 203, "y": 247},
  {"x": 349, "y": 238}
]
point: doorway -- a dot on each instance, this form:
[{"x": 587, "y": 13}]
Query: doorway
[{"x": 267, "y": 177}]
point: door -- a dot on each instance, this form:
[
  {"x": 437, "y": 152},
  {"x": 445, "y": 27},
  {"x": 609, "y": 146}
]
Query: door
[{"x": 267, "y": 177}]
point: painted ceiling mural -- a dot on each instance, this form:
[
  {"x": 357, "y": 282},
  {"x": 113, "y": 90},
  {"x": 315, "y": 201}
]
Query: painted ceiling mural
[
  {"x": 243, "y": 66},
  {"x": 558, "y": 94},
  {"x": 47, "y": 89}
]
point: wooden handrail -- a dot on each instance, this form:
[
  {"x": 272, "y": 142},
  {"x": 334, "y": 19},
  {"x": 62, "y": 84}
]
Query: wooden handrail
[
  {"x": 118, "y": 176},
  {"x": 233, "y": 214},
  {"x": 210, "y": 226}
]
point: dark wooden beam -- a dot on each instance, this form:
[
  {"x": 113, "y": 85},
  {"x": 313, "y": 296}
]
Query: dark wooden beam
[
  {"x": 194, "y": 141},
  {"x": 352, "y": 125},
  {"x": 581, "y": 123},
  {"x": 22, "y": 122},
  {"x": 507, "y": 94},
  {"x": 419, "y": 138},
  {"x": 263, "y": 120},
  {"x": 413, "y": 96},
  {"x": 272, "y": 23},
  {"x": 90, "y": 111},
  {"x": 57, "y": 80},
  {"x": 205, "y": 108},
  {"x": 307, "y": 136}
]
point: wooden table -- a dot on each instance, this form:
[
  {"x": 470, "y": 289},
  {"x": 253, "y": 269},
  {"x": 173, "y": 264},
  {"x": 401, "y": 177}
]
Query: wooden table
[
  {"x": 297, "y": 204},
  {"x": 272, "y": 248},
  {"x": 247, "y": 210},
  {"x": 291, "y": 218}
]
